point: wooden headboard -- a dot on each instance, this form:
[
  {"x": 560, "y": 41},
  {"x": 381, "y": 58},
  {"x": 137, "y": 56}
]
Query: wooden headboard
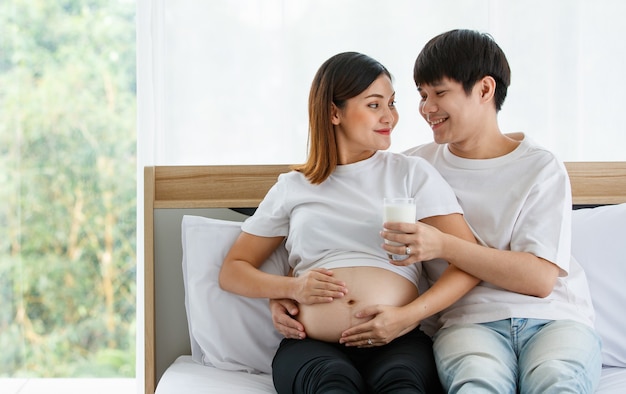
[{"x": 186, "y": 189}]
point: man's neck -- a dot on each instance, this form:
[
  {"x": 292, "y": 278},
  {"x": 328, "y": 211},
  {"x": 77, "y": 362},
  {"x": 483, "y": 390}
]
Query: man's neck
[{"x": 486, "y": 145}]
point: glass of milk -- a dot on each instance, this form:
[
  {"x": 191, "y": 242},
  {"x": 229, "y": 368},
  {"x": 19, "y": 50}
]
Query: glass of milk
[{"x": 398, "y": 209}]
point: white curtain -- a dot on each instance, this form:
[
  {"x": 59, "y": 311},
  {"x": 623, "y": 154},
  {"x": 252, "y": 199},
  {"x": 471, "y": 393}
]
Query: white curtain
[{"x": 224, "y": 82}]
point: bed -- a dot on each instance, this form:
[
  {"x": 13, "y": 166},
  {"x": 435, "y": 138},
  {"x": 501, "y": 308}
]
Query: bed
[{"x": 181, "y": 202}]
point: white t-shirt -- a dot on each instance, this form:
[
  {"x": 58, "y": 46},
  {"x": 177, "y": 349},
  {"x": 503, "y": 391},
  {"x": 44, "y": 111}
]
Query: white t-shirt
[
  {"x": 521, "y": 202},
  {"x": 338, "y": 222}
]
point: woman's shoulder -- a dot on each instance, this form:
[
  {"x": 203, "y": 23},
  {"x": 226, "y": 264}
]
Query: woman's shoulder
[
  {"x": 292, "y": 176},
  {"x": 294, "y": 184},
  {"x": 413, "y": 168}
]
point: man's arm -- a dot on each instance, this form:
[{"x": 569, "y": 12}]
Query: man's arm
[{"x": 519, "y": 272}]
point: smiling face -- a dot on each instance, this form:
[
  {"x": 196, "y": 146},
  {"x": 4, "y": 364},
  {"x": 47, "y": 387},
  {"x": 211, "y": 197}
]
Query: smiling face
[
  {"x": 364, "y": 124},
  {"x": 452, "y": 114}
]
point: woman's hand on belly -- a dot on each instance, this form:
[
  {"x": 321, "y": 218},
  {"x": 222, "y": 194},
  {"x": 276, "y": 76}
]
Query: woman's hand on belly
[
  {"x": 383, "y": 324},
  {"x": 318, "y": 286},
  {"x": 369, "y": 287}
]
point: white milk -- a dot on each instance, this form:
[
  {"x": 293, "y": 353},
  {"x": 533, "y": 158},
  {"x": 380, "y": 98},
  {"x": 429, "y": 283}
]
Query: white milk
[{"x": 398, "y": 210}]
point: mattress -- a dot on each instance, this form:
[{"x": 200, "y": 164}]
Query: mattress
[{"x": 186, "y": 376}]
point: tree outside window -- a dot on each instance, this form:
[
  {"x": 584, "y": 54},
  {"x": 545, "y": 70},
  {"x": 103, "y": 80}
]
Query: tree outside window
[{"x": 67, "y": 188}]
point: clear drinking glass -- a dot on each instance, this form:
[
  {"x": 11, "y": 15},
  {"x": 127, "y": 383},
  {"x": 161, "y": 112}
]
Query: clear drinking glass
[{"x": 398, "y": 209}]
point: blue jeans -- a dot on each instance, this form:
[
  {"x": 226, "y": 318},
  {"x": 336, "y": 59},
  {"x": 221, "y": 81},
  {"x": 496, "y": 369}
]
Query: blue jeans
[{"x": 519, "y": 356}]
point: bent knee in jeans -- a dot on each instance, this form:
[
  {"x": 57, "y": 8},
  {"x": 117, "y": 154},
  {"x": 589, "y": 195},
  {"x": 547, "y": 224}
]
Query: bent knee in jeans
[
  {"x": 543, "y": 356},
  {"x": 472, "y": 358},
  {"x": 563, "y": 357}
]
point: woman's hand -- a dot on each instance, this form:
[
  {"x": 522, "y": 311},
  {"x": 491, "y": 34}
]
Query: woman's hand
[
  {"x": 387, "y": 323},
  {"x": 283, "y": 311},
  {"x": 318, "y": 286},
  {"x": 424, "y": 241}
]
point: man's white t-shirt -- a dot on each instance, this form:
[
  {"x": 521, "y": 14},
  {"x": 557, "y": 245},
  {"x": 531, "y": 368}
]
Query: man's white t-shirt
[
  {"x": 338, "y": 222},
  {"x": 520, "y": 202}
]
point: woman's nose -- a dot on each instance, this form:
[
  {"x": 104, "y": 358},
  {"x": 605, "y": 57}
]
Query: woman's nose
[{"x": 389, "y": 116}]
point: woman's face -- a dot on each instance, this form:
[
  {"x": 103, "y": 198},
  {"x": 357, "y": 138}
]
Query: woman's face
[{"x": 365, "y": 123}]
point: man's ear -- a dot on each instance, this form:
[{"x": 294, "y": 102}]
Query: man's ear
[
  {"x": 487, "y": 88},
  {"x": 335, "y": 117}
]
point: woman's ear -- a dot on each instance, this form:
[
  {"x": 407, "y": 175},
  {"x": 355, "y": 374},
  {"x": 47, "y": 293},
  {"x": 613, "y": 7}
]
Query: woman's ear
[{"x": 335, "y": 117}]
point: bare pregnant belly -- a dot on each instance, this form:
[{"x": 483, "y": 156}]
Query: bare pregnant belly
[{"x": 366, "y": 286}]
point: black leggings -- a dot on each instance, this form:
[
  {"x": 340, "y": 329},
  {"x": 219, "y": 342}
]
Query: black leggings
[{"x": 406, "y": 365}]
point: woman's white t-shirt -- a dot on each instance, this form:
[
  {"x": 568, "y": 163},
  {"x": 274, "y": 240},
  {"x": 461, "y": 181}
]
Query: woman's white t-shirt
[{"x": 338, "y": 222}]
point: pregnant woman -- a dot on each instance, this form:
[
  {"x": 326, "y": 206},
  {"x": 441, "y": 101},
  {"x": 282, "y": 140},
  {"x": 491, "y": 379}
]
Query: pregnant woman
[{"x": 328, "y": 211}]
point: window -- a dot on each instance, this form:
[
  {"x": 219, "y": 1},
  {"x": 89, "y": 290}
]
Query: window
[{"x": 68, "y": 176}]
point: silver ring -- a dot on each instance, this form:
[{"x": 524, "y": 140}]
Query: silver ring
[
  {"x": 407, "y": 251},
  {"x": 369, "y": 341}
]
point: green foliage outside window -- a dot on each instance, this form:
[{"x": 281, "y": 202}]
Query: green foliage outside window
[{"x": 67, "y": 188}]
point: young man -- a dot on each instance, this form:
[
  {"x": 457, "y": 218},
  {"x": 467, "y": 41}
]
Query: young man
[{"x": 528, "y": 326}]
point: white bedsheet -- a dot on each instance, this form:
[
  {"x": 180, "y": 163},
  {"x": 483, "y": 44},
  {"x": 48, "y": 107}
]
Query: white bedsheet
[
  {"x": 185, "y": 376},
  {"x": 613, "y": 381}
]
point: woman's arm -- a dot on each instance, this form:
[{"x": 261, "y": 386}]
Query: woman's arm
[
  {"x": 240, "y": 274},
  {"x": 389, "y": 322}
]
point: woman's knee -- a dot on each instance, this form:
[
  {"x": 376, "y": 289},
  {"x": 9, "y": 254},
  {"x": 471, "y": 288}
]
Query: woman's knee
[
  {"x": 406, "y": 365},
  {"x": 308, "y": 366},
  {"x": 406, "y": 379},
  {"x": 329, "y": 375}
]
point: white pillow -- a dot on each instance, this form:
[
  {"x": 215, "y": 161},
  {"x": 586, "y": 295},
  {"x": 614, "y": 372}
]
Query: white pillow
[
  {"x": 227, "y": 331},
  {"x": 599, "y": 245}
]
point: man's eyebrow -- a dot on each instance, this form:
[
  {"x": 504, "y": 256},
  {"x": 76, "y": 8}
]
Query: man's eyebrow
[{"x": 433, "y": 84}]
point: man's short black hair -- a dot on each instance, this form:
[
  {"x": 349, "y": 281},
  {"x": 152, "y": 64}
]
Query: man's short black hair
[{"x": 465, "y": 56}]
